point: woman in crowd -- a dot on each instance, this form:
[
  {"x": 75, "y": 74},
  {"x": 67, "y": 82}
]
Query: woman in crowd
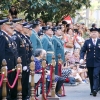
[
  {"x": 39, "y": 55},
  {"x": 69, "y": 41}
]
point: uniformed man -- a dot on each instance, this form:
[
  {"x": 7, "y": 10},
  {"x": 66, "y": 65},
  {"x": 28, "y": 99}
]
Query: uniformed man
[
  {"x": 92, "y": 50},
  {"x": 58, "y": 46},
  {"x": 20, "y": 40},
  {"x": 9, "y": 53},
  {"x": 28, "y": 33},
  {"x": 49, "y": 48},
  {"x": 36, "y": 42},
  {"x": 47, "y": 43}
]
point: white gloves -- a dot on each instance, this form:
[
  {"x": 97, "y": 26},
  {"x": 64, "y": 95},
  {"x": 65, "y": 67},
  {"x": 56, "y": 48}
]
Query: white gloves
[
  {"x": 24, "y": 68},
  {"x": 81, "y": 61}
]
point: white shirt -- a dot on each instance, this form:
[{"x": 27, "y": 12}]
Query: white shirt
[{"x": 95, "y": 41}]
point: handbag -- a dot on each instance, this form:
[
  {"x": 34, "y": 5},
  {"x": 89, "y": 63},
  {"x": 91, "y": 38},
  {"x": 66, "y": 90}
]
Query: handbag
[{"x": 69, "y": 45}]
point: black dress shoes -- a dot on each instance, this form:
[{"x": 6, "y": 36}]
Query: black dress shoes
[
  {"x": 59, "y": 95},
  {"x": 94, "y": 93}
]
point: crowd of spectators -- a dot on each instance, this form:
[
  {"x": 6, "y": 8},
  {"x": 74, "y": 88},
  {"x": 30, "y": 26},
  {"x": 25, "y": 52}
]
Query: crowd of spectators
[{"x": 73, "y": 37}]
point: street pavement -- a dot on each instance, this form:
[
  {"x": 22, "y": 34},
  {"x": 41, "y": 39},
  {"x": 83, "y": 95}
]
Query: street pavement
[{"x": 79, "y": 92}]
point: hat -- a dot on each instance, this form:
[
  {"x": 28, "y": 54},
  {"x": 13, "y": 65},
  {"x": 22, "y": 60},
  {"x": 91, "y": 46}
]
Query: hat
[
  {"x": 3, "y": 21},
  {"x": 28, "y": 26},
  {"x": 56, "y": 28},
  {"x": 46, "y": 28},
  {"x": 16, "y": 20},
  {"x": 94, "y": 29},
  {"x": 40, "y": 33},
  {"x": 24, "y": 23},
  {"x": 36, "y": 22}
]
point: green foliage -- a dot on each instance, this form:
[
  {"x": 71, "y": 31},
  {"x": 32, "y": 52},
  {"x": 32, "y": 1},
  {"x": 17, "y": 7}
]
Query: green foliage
[{"x": 48, "y": 10}]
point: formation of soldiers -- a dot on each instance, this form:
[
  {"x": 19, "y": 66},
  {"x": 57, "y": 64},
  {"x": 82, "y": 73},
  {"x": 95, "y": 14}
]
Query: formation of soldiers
[{"x": 20, "y": 39}]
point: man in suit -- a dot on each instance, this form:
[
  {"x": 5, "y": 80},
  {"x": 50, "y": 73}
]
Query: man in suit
[
  {"x": 47, "y": 43},
  {"x": 58, "y": 46},
  {"x": 8, "y": 52},
  {"x": 36, "y": 42},
  {"x": 92, "y": 50}
]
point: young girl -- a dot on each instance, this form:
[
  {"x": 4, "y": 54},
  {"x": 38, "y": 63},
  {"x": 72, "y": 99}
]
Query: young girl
[{"x": 76, "y": 75}]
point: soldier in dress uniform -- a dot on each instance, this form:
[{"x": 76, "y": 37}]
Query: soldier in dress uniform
[
  {"x": 49, "y": 48},
  {"x": 20, "y": 39},
  {"x": 92, "y": 50},
  {"x": 26, "y": 30},
  {"x": 58, "y": 46},
  {"x": 36, "y": 42},
  {"x": 8, "y": 51},
  {"x": 47, "y": 43}
]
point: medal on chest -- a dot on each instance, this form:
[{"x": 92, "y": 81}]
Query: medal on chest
[
  {"x": 98, "y": 45},
  {"x": 89, "y": 46}
]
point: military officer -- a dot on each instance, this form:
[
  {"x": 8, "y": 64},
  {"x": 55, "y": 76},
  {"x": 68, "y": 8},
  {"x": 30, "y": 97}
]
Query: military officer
[
  {"x": 92, "y": 50},
  {"x": 9, "y": 53},
  {"x": 58, "y": 46},
  {"x": 27, "y": 30},
  {"x": 36, "y": 42},
  {"x": 20, "y": 39},
  {"x": 47, "y": 43},
  {"x": 27, "y": 33}
]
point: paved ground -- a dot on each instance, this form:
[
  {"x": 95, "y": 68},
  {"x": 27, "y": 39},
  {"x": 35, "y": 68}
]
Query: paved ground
[{"x": 80, "y": 92}]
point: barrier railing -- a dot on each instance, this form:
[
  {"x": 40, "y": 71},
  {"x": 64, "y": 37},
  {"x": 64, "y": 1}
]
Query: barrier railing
[
  {"x": 19, "y": 86},
  {"x": 53, "y": 76},
  {"x": 4, "y": 80},
  {"x": 44, "y": 79},
  {"x": 60, "y": 62},
  {"x": 32, "y": 68},
  {"x": 4, "y": 71}
]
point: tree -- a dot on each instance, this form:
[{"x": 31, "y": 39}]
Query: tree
[{"x": 48, "y": 10}]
